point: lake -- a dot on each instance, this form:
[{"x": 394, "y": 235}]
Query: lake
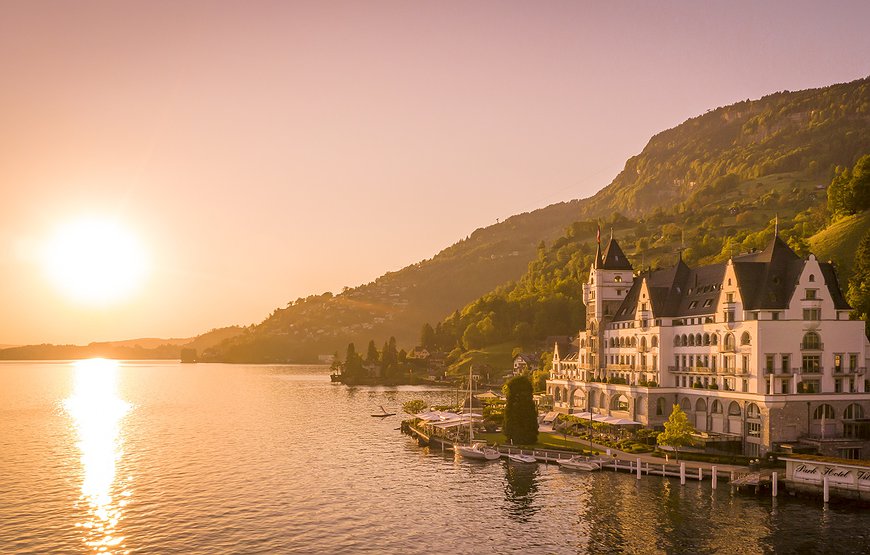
[{"x": 153, "y": 457}]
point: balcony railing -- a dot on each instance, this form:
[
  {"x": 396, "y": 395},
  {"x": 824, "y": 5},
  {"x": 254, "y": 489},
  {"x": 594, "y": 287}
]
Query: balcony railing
[
  {"x": 841, "y": 370},
  {"x": 812, "y": 346},
  {"x": 817, "y": 370}
]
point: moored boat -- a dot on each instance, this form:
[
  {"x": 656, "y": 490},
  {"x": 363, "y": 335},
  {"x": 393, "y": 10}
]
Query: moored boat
[
  {"x": 521, "y": 458},
  {"x": 580, "y": 463},
  {"x": 478, "y": 451}
]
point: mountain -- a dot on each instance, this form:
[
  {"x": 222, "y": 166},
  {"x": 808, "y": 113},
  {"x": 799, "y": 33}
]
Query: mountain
[{"x": 716, "y": 181}]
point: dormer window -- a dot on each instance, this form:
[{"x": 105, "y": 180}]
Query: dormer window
[
  {"x": 729, "y": 297},
  {"x": 812, "y": 278},
  {"x": 693, "y": 304},
  {"x": 618, "y": 279},
  {"x": 811, "y": 294},
  {"x": 708, "y": 302}
]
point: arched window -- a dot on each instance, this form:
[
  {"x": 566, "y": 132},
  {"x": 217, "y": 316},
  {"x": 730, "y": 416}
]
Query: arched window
[
  {"x": 691, "y": 340},
  {"x": 655, "y": 341},
  {"x": 716, "y": 407},
  {"x": 634, "y": 341},
  {"x": 612, "y": 342},
  {"x": 698, "y": 339},
  {"x": 734, "y": 409},
  {"x": 643, "y": 343},
  {"x": 752, "y": 411},
  {"x": 618, "y": 279},
  {"x": 745, "y": 339},
  {"x": 660, "y": 406},
  {"x": 824, "y": 410},
  {"x": 729, "y": 342},
  {"x": 684, "y": 341},
  {"x": 811, "y": 341},
  {"x": 619, "y": 402},
  {"x": 812, "y": 278},
  {"x": 676, "y": 341},
  {"x": 700, "y": 405},
  {"x": 853, "y": 412},
  {"x": 706, "y": 339},
  {"x": 685, "y": 404},
  {"x": 714, "y": 339}
]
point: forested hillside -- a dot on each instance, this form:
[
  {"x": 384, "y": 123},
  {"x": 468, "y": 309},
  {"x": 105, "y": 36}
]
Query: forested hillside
[{"x": 715, "y": 182}]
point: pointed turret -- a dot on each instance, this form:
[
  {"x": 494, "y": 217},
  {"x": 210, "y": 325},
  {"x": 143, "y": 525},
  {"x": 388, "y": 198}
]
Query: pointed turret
[{"x": 613, "y": 257}]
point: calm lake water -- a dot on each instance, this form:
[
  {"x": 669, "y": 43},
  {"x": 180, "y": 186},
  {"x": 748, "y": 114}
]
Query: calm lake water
[{"x": 168, "y": 458}]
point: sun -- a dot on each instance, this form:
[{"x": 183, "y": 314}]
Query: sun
[{"x": 95, "y": 261}]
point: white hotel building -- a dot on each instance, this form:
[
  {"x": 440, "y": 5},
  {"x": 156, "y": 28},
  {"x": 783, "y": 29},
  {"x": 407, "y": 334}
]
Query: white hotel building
[{"x": 758, "y": 351}]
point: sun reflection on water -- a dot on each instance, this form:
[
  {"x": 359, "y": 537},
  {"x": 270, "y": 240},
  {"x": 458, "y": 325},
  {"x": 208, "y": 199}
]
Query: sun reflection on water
[{"x": 97, "y": 412}]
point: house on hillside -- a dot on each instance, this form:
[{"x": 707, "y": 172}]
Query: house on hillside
[
  {"x": 759, "y": 351},
  {"x": 525, "y": 362}
]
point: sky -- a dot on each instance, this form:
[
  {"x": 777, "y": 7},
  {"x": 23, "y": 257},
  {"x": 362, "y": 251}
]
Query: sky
[{"x": 254, "y": 152}]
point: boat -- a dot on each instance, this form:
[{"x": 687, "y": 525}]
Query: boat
[
  {"x": 520, "y": 458},
  {"x": 383, "y": 413},
  {"x": 478, "y": 451},
  {"x": 580, "y": 463}
]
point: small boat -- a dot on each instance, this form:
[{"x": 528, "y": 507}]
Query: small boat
[
  {"x": 580, "y": 463},
  {"x": 383, "y": 413},
  {"x": 520, "y": 458},
  {"x": 478, "y": 451}
]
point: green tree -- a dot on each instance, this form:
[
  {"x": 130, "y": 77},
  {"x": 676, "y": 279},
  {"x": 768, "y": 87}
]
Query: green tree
[
  {"x": 520, "y": 415},
  {"x": 858, "y": 292},
  {"x": 539, "y": 380},
  {"x": 427, "y": 337},
  {"x": 472, "y": 338},
  {"x": 415, "y": 406},
  {"x": 678, "y": 432},
  {"x": 372, "y": 355}
]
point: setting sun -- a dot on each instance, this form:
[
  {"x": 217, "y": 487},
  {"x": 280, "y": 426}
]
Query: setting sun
[{"x": 95, "y": 261}]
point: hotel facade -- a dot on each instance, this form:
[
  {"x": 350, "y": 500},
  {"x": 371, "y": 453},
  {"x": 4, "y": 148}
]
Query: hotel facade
[{"x": 759, "y": 352}]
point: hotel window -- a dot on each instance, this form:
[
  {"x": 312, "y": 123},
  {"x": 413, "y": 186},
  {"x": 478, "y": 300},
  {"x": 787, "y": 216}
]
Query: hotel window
[
  {"x": 768, "y": 364},
  {"x": 729, "y": 297},
  {"x": 774, "y": 315},
  {"x": 811, "y": 386},
  {"x": 784, "y": 387},
  {"x": 853, "y": 361},
  {"x": 786, "y": 364},
  {"x": 813, "y": 314},
  {"x": 838, "y": 362},
  {"x": 838, "y": 385},
  {"x": 811, "y": 364},
  {"x": 811, "y": 294},
  {"x": 811, "y": 341},
  {"x": 745, "y": 386},
  {"x": 753, "y": 429}
]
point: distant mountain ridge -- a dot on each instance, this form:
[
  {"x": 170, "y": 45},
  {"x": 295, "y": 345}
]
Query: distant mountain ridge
[{"x": 763, "y": 156}]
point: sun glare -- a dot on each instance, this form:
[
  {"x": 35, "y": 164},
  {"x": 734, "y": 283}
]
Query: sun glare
[{"x": 95, "y": 261}]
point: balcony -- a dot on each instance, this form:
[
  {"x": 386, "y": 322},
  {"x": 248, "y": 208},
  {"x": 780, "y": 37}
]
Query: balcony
[
  {"x": 846, "y": 371},
  {"x": 812, "y": 346},
  {"x": 813, "y": 371}
]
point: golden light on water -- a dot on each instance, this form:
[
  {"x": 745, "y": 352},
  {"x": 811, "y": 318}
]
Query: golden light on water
[
  {"x": 97, "y": 412},
  {"x": 94, "y": 261}
]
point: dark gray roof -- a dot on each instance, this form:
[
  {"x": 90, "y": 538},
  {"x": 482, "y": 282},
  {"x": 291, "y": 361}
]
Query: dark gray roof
[
  {"x": 767, "y": 280},
  {"x": 613, "y": 258}
]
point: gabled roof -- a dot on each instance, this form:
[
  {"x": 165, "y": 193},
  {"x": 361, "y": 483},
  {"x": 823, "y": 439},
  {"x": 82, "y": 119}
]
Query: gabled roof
[
  {"x": 613, "y": 258},
  {"x": 766, "y": 279}
]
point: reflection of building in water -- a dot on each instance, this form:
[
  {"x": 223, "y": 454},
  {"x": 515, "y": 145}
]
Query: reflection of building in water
[
  {"x": 758, "y": 351},
  {"x": 97, "y": 412}
]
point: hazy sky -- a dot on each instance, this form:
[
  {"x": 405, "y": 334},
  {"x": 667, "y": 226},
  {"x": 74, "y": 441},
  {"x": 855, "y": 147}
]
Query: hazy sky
[{"x": 263, "y": 151}]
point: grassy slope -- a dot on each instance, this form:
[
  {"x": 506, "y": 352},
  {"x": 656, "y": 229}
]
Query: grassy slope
[{"x": 839, "y": 241}]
